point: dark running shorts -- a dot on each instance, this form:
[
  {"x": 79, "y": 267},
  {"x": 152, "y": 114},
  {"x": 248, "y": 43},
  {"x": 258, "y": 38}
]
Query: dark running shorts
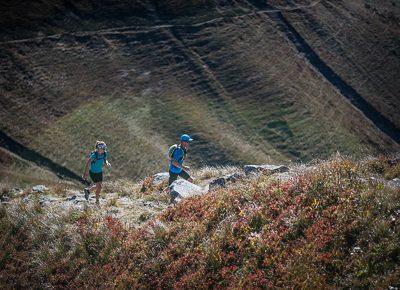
[
  {"x": 96, "y": 177},
  {"x": 174, "y": 176}
]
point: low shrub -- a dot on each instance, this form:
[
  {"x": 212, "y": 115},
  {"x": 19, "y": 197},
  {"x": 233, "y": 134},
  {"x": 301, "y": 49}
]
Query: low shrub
[{"x": 327, "y": 228}]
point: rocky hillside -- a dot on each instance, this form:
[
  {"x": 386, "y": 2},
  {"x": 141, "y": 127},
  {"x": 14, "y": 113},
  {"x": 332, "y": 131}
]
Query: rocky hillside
[
  {"x": 330, "y": 224},
  {"x": 253, "y": 81}
]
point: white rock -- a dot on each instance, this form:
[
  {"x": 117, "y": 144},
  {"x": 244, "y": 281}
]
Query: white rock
[
  {"x": 394, "y": 182},
  {"x": 181, "y": 188},
  {"x": 265, "y": 168},
  {"x": 16, "y": 191},
  {"x": 160, "y": 178},
  {"x": 39, "y": 188},
  {"x": 4, "y": 198},
  {"x": 44, "y": 200}
]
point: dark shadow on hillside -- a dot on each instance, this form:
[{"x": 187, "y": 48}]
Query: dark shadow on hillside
[
  {"x": 40, "y": 160},
  {"x": 381, "y": 122}
]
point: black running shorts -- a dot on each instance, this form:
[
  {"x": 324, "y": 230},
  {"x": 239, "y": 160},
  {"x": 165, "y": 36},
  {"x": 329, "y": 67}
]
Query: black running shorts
[
  {"x": 174, "y": 176},
  {"x": 96, "y": 177}
]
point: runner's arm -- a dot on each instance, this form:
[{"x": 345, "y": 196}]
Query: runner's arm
[
  {"x": 86, "y": 171},
  {"x": 176, "y": 163}
]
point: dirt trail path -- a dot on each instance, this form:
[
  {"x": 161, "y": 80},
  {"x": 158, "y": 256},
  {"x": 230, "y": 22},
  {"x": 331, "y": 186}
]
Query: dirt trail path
[{"x": 141, "y": 29}]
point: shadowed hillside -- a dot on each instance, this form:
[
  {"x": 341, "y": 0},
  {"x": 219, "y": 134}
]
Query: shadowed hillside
[{"x": 252, "y": 81}]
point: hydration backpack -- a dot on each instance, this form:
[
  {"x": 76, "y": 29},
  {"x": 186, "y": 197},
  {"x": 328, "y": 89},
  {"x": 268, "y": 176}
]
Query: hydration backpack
[
  {"x": 172, "y": 149},
  {"x": 96, "y": 155}
]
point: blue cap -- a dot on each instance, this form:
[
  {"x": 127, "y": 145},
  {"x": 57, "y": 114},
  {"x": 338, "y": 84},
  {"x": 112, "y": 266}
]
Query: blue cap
[{"x": 186, "y": 138}]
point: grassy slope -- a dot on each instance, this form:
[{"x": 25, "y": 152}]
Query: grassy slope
[
  {"x": 369, "y": 64},
  {"x": 274, "y": 92},
  {"x": 237, "y": 85},
  {"x": 331, "y": 227}
]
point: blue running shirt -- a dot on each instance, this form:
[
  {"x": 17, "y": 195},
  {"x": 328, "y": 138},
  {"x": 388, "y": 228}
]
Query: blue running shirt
[
  {"x": 177, "y": 156},
  {"x": 97, "y": 163}
]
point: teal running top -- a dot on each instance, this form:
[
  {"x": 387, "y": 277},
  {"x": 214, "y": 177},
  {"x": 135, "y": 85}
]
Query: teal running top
[{"x": 97, "y": 161}]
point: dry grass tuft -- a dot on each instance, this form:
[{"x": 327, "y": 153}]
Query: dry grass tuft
[
  {"x": 208, "y": 172},
  {"x": 123, "y": 187}
]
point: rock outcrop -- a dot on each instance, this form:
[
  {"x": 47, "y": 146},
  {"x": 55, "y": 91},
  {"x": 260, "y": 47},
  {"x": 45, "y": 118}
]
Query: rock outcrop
[
  {"x": 222, "y": 181},
  {"x": 39, "y": 188},
  {"x": 395, "y": 183},
  {"x": 265, "y": 168},
  {"x": 181, "y": 188},
  {"x": 159, "y": 178}
]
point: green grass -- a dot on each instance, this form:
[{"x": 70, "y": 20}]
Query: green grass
[
  {"x": 139, "y": 132},
  {"x": 134, "y": 150},
  {"x": 238, "y": 87}
]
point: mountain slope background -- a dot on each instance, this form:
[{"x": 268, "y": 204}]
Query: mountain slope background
[{"x": 252, "y": 81}]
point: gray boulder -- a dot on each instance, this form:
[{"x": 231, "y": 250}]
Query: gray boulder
[
  {"x": 39, "y": 188},
  {"x": 16, "y": 191},
  {"x": 44, "y": 200},
  {"x": 181, "y": 188},
  {"x": 70, "y": 198},
  {"x": 160, "y": 178},
  {"x": 78, "y": 197},
  {"x": 394, "y": 161},
  {"x": 266, "y": 168},
  {"x": 222, "y": 181},
  {"x": 4, "y": 198},
  {"x": 394, "y": 182}
]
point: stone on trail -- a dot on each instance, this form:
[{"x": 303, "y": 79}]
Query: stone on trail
[
  {"x": 39, "y": 188},
  {"x": 394, "y": 182},
  {"x": 4, "y": 198},
  {"x": 222, "y": 181},
  {"x": 77, "y": 196},
  {"x": 160, "y": 178},
  {"x": 45, "y": 200},
  {"x": 70, "y": 198},
  {"x": 266, "y": 168},
  {"x": 181, "y": 188},
  {"x": 16, "y": 191}
]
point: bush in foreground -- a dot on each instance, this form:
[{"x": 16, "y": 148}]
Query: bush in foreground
[{"x": 331, "y": 227}]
